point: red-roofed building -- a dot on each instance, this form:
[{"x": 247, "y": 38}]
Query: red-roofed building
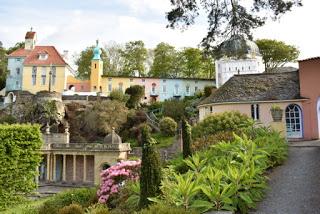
[{"x": 32, "y": 67}]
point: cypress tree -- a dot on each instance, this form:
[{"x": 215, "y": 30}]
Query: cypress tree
[
  {"x": 150, "y": 169},
  {"x": 186, "y": 139}
]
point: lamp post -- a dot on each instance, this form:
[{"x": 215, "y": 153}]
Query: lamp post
[{"x": 50, "y": 74}]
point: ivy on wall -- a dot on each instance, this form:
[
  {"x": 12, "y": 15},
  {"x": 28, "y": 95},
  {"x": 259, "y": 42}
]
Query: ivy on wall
[{"x": 19, "y": 159}]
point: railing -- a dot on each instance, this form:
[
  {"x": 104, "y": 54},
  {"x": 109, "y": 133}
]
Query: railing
[{"x": 87, "y": 146}]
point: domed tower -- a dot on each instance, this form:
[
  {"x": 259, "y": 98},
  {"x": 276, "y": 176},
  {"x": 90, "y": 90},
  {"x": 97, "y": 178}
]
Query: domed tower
[
  {"x": 237, "y": 56},
  {"x": 96, "y": 69}
]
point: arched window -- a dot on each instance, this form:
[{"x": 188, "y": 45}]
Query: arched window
[
  {"x": 153, "y": 89},
  {"x": 293, "y": 121}
]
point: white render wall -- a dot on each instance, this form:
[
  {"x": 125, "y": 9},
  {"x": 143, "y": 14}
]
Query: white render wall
[{"x": 226, "y": 68}]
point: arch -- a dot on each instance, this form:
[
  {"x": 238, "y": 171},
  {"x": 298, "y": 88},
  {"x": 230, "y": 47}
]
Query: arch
[
  {"x": 293, "y": 117},
  {"x": 71, "y": 87}
]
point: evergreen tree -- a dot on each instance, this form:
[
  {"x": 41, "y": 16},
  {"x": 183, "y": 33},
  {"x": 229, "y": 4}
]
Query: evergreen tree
[
  {"x": 150, "y": 169},
  {"x": 186, "y": 138}
]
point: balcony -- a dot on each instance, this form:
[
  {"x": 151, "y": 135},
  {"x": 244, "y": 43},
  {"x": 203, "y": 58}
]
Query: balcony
[{"x": 154, "y": 93}]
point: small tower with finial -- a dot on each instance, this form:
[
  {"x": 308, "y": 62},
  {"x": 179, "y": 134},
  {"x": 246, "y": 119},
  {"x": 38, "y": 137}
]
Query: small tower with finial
[
  {"x": 30, "y": 40},
  {"x": 96, "y": 69}
]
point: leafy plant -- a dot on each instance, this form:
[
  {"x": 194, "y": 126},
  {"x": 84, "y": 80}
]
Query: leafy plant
[
  {"x": 71, "y": 209},
  {"x": 168, "y": 126}
]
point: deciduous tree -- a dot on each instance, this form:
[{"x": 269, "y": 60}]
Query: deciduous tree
[{"x": 276, "y": 53}]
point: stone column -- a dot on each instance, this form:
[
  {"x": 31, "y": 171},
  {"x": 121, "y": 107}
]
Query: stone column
[
  {"x": 84, "y": 168},
  {"x": 64, "y": 168},
  {"x": 54, "y": 167},
  {"x": 74, "y": 167},
  {"x": 48, "y": 167}
]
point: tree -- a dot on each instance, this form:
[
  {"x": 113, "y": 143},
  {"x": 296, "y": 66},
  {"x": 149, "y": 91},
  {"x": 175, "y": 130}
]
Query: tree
[
  {"x": 17, "y": 46},
  {"x": 102, "y": 116},
  {"x": 134, "y": 56},
  {"x": 83, "y": 61},
  {"x": 150, "y": 177},
  {"x": 136, "y": 93},
  {"x": 276, "y": 53},
  {"x": 174, "y": 109},
  {"x": 227, "y": 17},
  {"x": 3, "y": 68},
  {"x": 114, "y": 51},
  {"x": 164, "y": 60},
  {"x": 186, "y": 139},
  {"x": 192, "y": 61}
]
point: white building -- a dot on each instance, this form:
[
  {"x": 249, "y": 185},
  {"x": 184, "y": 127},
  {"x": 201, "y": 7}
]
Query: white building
[{"x": 239, "y": 56}]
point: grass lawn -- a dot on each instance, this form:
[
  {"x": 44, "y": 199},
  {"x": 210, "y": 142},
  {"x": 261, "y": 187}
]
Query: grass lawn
[
  {"x": 27, "y": 207},
  {"x": 163, "y": 141}
]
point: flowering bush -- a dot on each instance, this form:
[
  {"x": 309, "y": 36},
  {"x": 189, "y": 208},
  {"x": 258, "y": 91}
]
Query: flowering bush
[{"x": 113, "y": 178}]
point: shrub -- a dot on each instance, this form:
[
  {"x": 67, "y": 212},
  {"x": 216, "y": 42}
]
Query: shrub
[
  {"x": 98, "y": 209},
  {"x": 150, "y": 170},
  {"x": 71, "y": 209},
  {"x": 208, "y": 90},
  {"x": 168, "y": 126},
  {"x": 113, "y": 177},
  {"x": 5, "y": 118},
  {"x": 205, "y": 142},
  {"x": 227, "y": 121},
  {"x": 174, "y": 109},
  {"x": 119, "y": 96},
  {"x": 165, "y": 209},
  {"x": 19, "y": 157},
  {"x": 186, "y": 138},
  {"x": 83, "y": 196},
  {"x": 136, "y": 93}
]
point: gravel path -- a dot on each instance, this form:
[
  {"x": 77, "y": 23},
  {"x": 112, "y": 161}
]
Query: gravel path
[{"x": 294, "y": 186}]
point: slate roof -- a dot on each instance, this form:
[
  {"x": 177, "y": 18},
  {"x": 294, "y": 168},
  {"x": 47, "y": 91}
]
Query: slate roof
[{"x": 257, "y": 87}]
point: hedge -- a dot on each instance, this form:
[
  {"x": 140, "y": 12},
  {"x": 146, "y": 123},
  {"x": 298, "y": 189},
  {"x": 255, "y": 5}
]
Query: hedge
[{"x": 19, "y": 159}]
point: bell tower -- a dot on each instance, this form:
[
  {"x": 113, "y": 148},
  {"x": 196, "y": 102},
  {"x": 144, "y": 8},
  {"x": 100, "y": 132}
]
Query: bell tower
[
  {"x": 30, "y": 40},
  {"x": 96, "y": 69}
]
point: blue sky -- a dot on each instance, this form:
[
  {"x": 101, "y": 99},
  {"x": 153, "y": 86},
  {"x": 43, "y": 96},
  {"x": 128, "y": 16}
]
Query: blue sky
[{"x": 75, "y": 24}]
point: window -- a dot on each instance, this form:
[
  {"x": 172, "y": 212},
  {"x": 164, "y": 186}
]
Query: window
[
  {"x": 17, "y": 84},
  {"x": 211, "y": 109},
  {"x": 18, "y": 59},
  {"x": 95, "y": 65},
  {"x": 110, "y": 87},
  {"x": 153, "y": 90},
  {"x": 176, "y": 89},
  {"x": 53, "y": 75},
  {"x": 94, "y": 88},
  {"x": 164, "y": 81},
  {"x": 255, "y": 112},
  {"x": 164, "y": 89},
  {"x": 43, "y": 76},
  {"x": 131, "y": 80},
  {"x": 43, "y": 56},
  {"x": 34, "y": 75},
  {"x": 143, "y": 80},
  {"x": 110, "y": 79},
  {"x": 188, "y": 90},
  {"x": 82, "y": 87},
  {"x": 18, "y": 71},
  {"x": 195, "y": 88},
  {"x": 293, "y": 118},
  {"x": 121, "y": 86}
]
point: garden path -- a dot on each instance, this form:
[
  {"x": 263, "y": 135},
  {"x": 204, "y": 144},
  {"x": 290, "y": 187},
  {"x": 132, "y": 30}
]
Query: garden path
[{"x": 294, "y": 187}]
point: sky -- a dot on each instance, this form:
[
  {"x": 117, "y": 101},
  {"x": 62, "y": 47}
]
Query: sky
[{"x": 75, "y": 24}]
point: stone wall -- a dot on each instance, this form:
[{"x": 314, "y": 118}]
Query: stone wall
[{"x": 56, "y": 138}]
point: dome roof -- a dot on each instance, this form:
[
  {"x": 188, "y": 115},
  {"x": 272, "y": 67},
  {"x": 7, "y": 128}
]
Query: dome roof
[
  {"x": 238, "y": 46},
  {"x": 112, "y": 138},
  {"x": 97, "y": 51}
]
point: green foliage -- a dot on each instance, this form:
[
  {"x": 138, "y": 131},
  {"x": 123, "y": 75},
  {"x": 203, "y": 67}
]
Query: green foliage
[
  {"x": 136, "y": 93},
  {"x": 174, "y": 109},
  {"x": 102, "y": 116},
  {"x": 83, "y": 196},
  {"x": 276, "y": 53},
  {"x": 98, "y": 209},
  {"x": 19, "y": 157},
  {"x": 5, "y": 118},
  {"x": 227, "y": 176},
  {"x": 227, "y": 121},
  {"x": 150, "y": 170},
  {"x": 3, "y": 67},
  {"x": 118, "y": 95},
  {"x": 168, "y": 126},
  {"x": 134, "y": 56},
  {"x": 165, "y": 209},
  {"x": 208, "y": 90},
  {"x": 164, "y": 61},
  {"x": 227, "y": 17},
  {"x": 186, "y": 138},
  {"x": 83, "y": 61},
  {"x": 71, "y": 209}
]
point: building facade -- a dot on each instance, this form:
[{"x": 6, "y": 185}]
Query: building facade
[
  {"x": 36, "y": 68},
  {"x": 156, "y": 89}
]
